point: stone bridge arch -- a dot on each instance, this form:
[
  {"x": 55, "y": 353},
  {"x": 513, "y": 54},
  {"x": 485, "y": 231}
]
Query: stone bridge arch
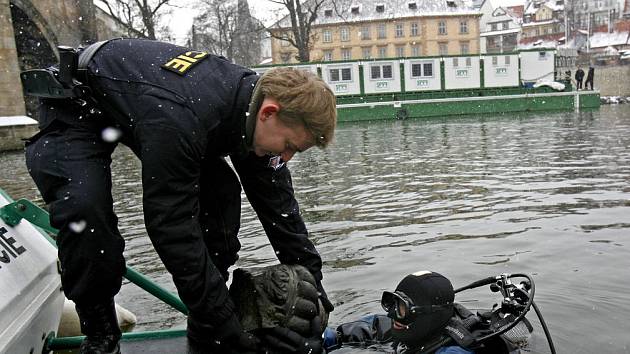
[{"x": 30, "y": 31}]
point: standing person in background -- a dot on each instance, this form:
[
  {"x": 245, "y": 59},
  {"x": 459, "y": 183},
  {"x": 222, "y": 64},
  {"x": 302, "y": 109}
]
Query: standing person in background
[
  {"x": 579, "y": 76},
  {"x": 589, "y": 78},
  {"x": 181, "y": 112}
]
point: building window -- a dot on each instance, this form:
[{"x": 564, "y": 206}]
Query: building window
[
  {"x": 365, "y": 32},
  {"x": 415, "y": 51},
  {"x": 328, "y": 55},
  {"x": 367, "y": 52},
  {"x": 468, "y": 62},
  {"x": 346, "y": 54},
  {"x": 464, "y": 48},
  {"x": 412, "y": 5},
  {"x": 463, "y": 26},
  {"x": 400, "y": 32},
  {"x": 380, "y": 8},
  {"x": 455, "y": 62},
  {"x": 380, "y": 29},
  {"x": 284, "y": 42},
  {"x": 414, "y": 29},
  {"x": 442, "y": 27},
  {"x": 443, "y": 48},
  {"x": 344, "y": 34},
  {"x": 400, "y": 51},
  {"x": 328, "y": 13},
  {"x": 495, "y": 61},
  {"x": 327, "y": 36},
  {"x": 336, "y": 75},
  {"x": 507, "y": 60},
  {"x": 493, "y": 27},
  {"x": 382, "y": 52},
  {"x": 506, "y": 25},
  {"x": 354, "y": 10},
  {"x": 383, "y": 71}
]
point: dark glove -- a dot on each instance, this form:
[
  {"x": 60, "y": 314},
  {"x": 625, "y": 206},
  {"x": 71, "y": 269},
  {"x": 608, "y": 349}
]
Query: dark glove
[
  {"x": 323, "y": 297},
  {"x": 228, "y": 337},
  {"x": 284, "y": 340}
]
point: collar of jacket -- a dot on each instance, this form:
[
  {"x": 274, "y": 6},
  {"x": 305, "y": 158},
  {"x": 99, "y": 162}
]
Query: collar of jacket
[{"x": 248, "y": 102}]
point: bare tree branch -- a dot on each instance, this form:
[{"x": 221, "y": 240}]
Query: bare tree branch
[{"x": 302, "y": 16}]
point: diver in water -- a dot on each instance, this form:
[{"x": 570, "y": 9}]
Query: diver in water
[{"x": 422, "y": 317}]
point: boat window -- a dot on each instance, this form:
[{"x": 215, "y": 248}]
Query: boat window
[
  {"x": 376, "y": 71},
  {"x": 345, "y": 74},
  {"x": 428, "y": 69},
  {"x": 381, "y": 71},
  {"x": 420, "y": 69},
  {"x": 416, "y": 70},
  {"x": 334, "y": 75},
  {"x": 387, "y": 72}
]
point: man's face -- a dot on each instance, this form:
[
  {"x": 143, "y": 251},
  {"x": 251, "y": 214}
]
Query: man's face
[{"x": 272, "y": 136}]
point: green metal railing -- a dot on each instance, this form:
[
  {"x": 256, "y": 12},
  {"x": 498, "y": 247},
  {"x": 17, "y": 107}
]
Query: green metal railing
[{"x": 14, "y": 212}]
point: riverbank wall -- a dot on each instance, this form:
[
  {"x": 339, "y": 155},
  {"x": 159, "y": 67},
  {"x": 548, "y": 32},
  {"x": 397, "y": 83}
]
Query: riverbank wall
[
  {"x": 612, "y": 80},
  {"x": 13, "y": 131}
]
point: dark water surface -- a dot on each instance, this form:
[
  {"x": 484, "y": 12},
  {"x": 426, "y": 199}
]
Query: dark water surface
[{"x": 541, "y": 193}]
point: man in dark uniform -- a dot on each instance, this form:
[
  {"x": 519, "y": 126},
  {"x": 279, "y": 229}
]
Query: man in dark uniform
[
  {"x": 589, "y": 78},
  {"x": 579, "y": 76},
  {"x": 181, "y": 112}
]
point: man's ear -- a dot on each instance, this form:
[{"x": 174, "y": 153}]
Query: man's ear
[{"x": 267, "y": 109}]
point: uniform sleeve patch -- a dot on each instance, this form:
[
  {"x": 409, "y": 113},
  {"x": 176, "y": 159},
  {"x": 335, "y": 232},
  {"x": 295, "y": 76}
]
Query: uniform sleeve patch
[{"x": 184, "y": 62}]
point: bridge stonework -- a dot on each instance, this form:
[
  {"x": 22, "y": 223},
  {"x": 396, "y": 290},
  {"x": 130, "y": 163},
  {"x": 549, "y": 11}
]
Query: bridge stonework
[
  {"x": 58, "y": 22},
  {"x": 11, "y": 99}
]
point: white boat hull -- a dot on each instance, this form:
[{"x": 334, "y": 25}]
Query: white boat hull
[{"x": 31, "y": 299}]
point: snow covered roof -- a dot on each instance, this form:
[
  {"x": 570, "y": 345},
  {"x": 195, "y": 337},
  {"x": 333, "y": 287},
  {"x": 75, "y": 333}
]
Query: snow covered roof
[
  {"x": 16, "y": 120},
  {"x": 538, "y": 44},
  {"x": 539, "y": 23},
  {"x": 366, "y": 10},
  {"x": 551, "y": 4},
  {"x": 506, "y": 3},
  {"x": 604, "y": 39},
  {"x": 496, "y": 33}
]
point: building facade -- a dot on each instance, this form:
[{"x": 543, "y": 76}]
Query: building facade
[
  {"x": 543, "y": 18},
  {"x": 500, "y": 26},
  {"x": 600, "y": 12},
  {"x": 386, "y": 29}
]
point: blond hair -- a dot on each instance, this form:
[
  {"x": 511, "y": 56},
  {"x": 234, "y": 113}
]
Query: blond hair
[{"x": 304, "y": 98}]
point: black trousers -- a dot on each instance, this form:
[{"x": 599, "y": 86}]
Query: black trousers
[
  {"x": 588, "y": 83},
  {"x": 70, "y": 164},
  {"x": 579, "y": 84}
]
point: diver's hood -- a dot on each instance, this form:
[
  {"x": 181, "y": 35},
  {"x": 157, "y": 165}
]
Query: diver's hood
[{"x": 425, "y": 288}]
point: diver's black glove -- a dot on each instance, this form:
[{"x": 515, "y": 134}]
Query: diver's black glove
[
  {"x": 284, "y": 340},
  {"x": 229, "y": 337},
  {"x": 323, "y": 297}
]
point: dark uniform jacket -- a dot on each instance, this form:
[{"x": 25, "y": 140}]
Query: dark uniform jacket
[{"x": 181, "y": 111}]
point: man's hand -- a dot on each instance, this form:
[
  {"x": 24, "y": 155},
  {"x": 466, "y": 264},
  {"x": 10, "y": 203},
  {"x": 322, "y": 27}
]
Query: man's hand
[
  {"x": 228, "y": 338},
  {"x": 323, "y": 297},
  {"x": 284, "y": 340}
]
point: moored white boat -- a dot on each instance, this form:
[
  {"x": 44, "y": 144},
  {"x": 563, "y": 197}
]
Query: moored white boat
[{"x": 31, "y": 299}]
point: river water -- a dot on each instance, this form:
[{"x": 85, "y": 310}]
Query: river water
[{"x": 546, "y": 194}]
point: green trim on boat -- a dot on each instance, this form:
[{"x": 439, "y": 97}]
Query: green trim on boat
[{"x": 64, "y": 343}]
